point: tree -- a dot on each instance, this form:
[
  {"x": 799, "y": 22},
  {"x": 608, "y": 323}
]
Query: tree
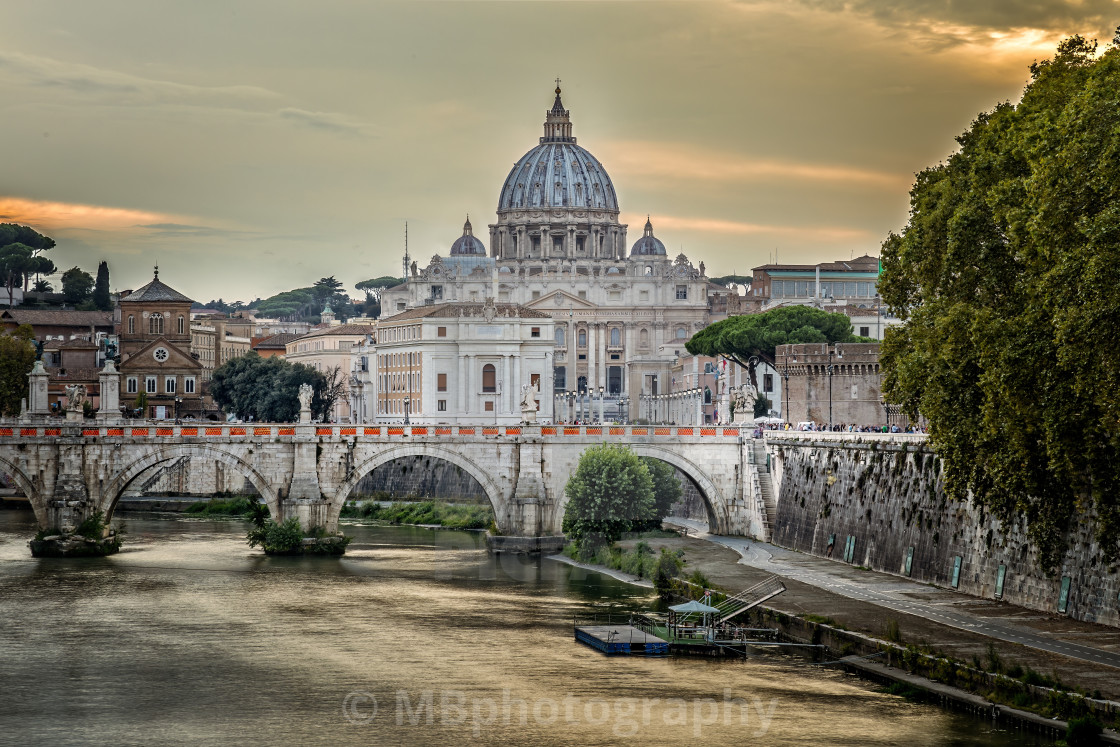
[
  {"x": 101, "y": 297},
  {"x": 373, "y": 289},
  {"x": 1005, "y": 277},
  {"x": 267, "y": 389},
  {"x": 666, "y": 489},
  {"x": 42, "y": 286},
  {"x": 728, "y": 280},
  {"x": 12, "y": 234},
  {"x": 751, "y": 337},
  {"x": 610, "y": 493},
  {"x": 15, "y": 259},
  {"x": 76, "y": 285},
  {"x": 17, "y": 357}
]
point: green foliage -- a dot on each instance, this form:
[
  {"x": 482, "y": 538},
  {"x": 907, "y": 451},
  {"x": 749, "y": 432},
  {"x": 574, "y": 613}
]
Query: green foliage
[
  {"x": 669, "y": 565},
  {"x": 892, "y": 631},
  {"x": 610, "y": 493},
  {"x": 762, "y": 405},
  {"x": 20, "y": 248},
  {"x": 728, "y": 280},
  {"x": 424, "y": 512},
  {"x": 1083, "y": 731},
  {"x": 373, "y": 289},
  {"x": 140, "y": 404},
  {"x": 307, "y": 303},
  {"x": 267, "y": 389},
  {"x": 741, "y": 338},
  {"x": 77, "y": 286},
  {"x": 17, "y": 357},
  {"x": 236, "y": 506},
  {"x": 283, "y": 538},
  {"x": 1006, "y": 278},
  {"x": 101, "y": 297},
  {"x": 666, "y": 490}
]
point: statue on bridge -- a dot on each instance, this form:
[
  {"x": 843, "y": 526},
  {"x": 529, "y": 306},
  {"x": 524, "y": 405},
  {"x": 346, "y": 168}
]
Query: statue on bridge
[
  {"x": 306, "y": 392},
  {"x": 742, "y": 399},
  {"x": 75, "y": 396},
  {"x": 529, "y": 394}
]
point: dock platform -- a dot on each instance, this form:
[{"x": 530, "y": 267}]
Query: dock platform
[{"x": 625, "y": 640}]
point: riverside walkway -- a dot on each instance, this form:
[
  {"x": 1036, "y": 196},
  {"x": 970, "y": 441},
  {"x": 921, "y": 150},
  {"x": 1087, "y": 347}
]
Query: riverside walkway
[{"x": 904, "y": 596}]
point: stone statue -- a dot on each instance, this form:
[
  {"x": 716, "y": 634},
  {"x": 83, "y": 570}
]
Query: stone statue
[
  {"x": 75, "y": 396},
  {"x": 743, "y": 398},
  {"x": 529, "y": 394},
  {"x": 306, "y": 392}
]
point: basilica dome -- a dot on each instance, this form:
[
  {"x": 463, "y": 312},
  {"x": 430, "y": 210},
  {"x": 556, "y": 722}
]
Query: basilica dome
[
  {"x": 557, "y": 173},
  {"x": 467, "y": 244},
  {"x": 649, "y": 244}
]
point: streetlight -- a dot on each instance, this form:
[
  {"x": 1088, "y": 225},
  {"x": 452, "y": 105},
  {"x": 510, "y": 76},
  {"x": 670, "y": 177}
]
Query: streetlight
[
  {"x": 178, "y": 404},
  {"x": 602, "y": 391}
]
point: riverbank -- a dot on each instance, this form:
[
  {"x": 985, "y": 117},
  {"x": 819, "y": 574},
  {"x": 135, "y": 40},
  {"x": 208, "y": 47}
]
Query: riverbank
[{"x": 811, "y": 614}]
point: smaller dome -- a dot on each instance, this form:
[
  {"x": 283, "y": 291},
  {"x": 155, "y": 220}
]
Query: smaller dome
[
  {"x": 648, "y": 244},
  {"x": 467, "y": 244}
]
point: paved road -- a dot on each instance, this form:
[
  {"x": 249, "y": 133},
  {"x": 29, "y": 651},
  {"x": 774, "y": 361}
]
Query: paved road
[{"x": 890, "y": 592}]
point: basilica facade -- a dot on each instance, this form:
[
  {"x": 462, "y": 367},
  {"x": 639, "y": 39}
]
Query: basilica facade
[{"x": 621, "y": 312}]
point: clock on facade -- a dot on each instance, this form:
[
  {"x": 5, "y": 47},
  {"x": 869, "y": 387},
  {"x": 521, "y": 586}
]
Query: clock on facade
[{"x": 160, "y": 354}]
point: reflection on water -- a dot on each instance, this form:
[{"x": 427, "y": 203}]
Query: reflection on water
[{"x": 188, "y": 636}]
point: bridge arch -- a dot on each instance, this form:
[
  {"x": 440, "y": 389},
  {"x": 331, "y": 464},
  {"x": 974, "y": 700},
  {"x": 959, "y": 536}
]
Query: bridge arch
[
  {"x": 713, "y": 497},
  {"x": 493, "y": 491},
  {"x": 111, "y": 492},
  {"x": 25, "y": 483}
]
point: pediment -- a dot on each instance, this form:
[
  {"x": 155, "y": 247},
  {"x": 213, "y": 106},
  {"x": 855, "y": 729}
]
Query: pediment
[
  {"x": 144, "y": 359},
  {"x": 560, "y": 299}
]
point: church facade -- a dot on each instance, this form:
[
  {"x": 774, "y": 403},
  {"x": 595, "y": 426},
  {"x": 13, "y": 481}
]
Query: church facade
[{"x": 621, "y": 312}]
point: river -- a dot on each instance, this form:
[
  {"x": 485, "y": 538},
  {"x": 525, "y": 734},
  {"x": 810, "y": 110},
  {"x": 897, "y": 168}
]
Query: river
[{"x": 189, "y": 637}]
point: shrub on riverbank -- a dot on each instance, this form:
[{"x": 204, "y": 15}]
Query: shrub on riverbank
[
  {"x": 91, "y": 539},
  {"x": 288, "y": 538},
  {"x": 424, "y": 512},
  {"x": 237, "y": 505}
]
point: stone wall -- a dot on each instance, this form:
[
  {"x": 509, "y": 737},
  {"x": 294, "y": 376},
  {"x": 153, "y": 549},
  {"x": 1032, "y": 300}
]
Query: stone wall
[
  {"x": 191, "y": 477},
  {"x": 420, "y": 477},
  {"x": 889, "y": 497}
]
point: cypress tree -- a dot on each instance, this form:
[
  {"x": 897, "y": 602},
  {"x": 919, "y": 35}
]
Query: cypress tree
[{"x": 101, "y": 288}]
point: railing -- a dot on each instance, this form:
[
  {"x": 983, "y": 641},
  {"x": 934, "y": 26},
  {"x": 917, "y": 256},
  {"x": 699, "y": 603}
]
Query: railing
[
  {"x": 845, "y": 436},
  {"x": 162, "y": 429},
  {"x": 748, "y": 598}
]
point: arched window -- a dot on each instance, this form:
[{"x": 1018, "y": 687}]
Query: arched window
[
  {"x": 155, "y": 324},
  {"x": 643, "y": 338},
  {"x": 489, "y": 383},
  {"x": 182, "y": 325},
  {"x": 560, "y": 336},
  {"x": 616, "y": 337},
  {"x": 131, "y": 324},
  {"x": 681, "y": 333},
  {"x": 583, "y": 338},
  {"x": 707, "y": 396}
]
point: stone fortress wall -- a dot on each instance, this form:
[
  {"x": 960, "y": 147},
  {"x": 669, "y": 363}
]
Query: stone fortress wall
[{"x": 888, "y": 496}]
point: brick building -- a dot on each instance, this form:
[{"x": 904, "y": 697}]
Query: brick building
[{"x": 853, "y": 387}]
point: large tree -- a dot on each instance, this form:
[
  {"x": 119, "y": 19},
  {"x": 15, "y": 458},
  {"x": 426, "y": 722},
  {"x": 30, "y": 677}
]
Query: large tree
[
  {"x": 17, "y": 356},
  {"x": 666, "y": 489},
  {"x": 373, "y": 289},
  {"x": 77, "y": 285},
  {"x": 13, "y": 234},
  {"x": 101, "y": 298},
  {"x": 610, "y": 493},
  {"x": 1006, "y": 277},
  {"x": 752, "y": 337},
  {"x": 267, "y": 389}
]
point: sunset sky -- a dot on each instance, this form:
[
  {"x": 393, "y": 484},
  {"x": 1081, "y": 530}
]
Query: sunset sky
[{"x": 252, "y": 147}]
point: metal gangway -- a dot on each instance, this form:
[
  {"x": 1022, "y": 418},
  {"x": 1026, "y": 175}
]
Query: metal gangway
[{"x": 748, "y": 598}]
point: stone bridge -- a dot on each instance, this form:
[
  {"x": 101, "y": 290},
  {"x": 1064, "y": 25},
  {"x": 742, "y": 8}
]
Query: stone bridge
[{"x": 71, "y": 469}]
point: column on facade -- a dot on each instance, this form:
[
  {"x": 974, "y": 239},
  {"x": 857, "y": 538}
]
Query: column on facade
[
  {"x": 515, "y": 390},
  {"x": 466, "y": 404},
  {"x": 591, "y": 349},
  {"x": 604, "y": 335},
  {"x": 548, "y": 389}
]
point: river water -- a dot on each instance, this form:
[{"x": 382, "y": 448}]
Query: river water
[{"x": 189, "y": 637}]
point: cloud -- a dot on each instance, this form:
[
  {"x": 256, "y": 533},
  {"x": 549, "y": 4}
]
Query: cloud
[
  {"x": 87, "y": 80},
  {"x": 742, "y": 228},
  {"x": 179, "y": 230},
  {"x": 676, "y": 161},
  {"x": 327, "y": 121},
  {"x": 48, "y": 215}
]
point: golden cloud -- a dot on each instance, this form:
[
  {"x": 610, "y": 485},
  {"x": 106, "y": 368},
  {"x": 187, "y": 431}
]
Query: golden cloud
[{"x": 47, "y": 216}]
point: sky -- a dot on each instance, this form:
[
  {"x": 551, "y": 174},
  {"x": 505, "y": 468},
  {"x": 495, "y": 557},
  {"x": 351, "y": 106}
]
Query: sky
[{"x": 252, "y": 146}]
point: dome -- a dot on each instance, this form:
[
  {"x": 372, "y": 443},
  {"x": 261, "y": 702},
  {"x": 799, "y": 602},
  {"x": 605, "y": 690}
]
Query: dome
[
  {"x": 467, "y": 244},
  {"x": 557, "y": 173},
  {"x": 648, "y": 244}
]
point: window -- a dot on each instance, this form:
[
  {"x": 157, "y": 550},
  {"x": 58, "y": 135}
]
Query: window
[
  {"x": 707, "y": 396},
  {"x": 169, "y": 385},
  {"x": 535, "y": 332},
  {"x": 155, "y": 324},
  {"x": 560, "y": 336},
  {"x": 643, "y": 295},
  {"x": 150, "y": 384},
  {"x": 583, "y": 295},
  {"x": 616, "y": 337},
  {"x": 437, "y": 292},
  {"x": 682, "y": 333},
  {"x": 583, "y": 338},
  {"x": 182, "y": 325},
  {"x": 649, "y": 271},
  {"x": 441, "y": 331},
  {"x": 489, "y": 407},
  {"x": 682, "y": 292},
  {"x": 768, "y": 382},
  {"x": 441, "y": 382},
  {"x": 441, "y": 405},
  {"x": 489, "y": 376},
  {"x": 132, "y": 384},
  {"x": 865, "y": 331},
  {"x": 188, "y": 385},
  {"x": 131, "y": 324}
]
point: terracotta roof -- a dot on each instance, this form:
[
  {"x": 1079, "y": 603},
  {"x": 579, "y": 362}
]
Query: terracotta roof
[
  {"x": 156, "y": 290},
  {"x": 275, "y": 342},
  {"x": 341, "y": 329},
  {"x": 453, "y": 310},
  {"x": 866, "y": 263},
  {"x": 59, "y": 317},
  {"x": 78, "y": 344},
  {"x": 74, "y": 374}
]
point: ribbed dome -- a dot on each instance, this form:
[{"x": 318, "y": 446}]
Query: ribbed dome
[
  {"x": 557, "y": 173},
  {"x": 467, "y": 244},
  {"x": 648, "y": 244}
]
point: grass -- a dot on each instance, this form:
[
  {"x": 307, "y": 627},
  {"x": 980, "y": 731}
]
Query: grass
[
  {"x": 237, "y": 505},
  {"x": 424, "y": 512}
]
